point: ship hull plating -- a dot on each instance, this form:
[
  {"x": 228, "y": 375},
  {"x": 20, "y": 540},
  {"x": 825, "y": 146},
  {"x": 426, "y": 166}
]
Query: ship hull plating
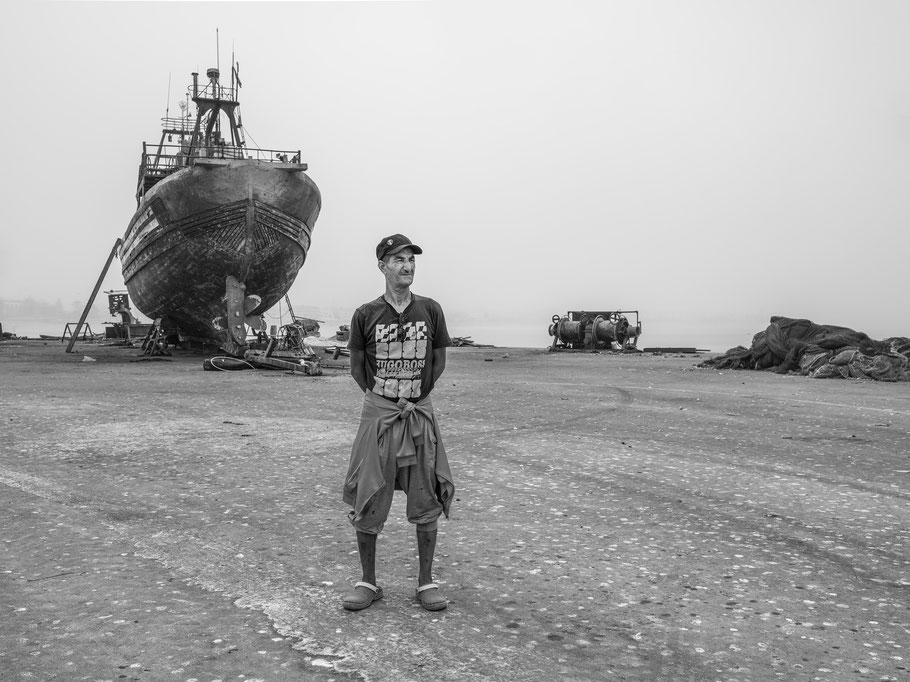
[{"x": 247, "y": 220}]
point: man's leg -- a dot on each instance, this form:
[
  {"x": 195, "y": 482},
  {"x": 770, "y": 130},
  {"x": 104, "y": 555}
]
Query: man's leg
[
  {"x": 374, "y": 515},
  {"x": 418, "y": 482},
  {"x": 423, "y": 511},
  {"x": 366, "y": 591},
  {"x": 370, "y": 523},
  {"x": 366, "y": 545},
  {"x": 426, "y": 548},
  {"x": 427, "y": 591}
]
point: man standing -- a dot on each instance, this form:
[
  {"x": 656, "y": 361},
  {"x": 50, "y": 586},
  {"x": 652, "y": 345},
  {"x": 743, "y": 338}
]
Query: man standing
[{"x": 398, "y": 351}]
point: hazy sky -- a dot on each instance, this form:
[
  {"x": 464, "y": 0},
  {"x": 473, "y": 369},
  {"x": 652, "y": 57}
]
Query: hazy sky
[{"x": 708, "y": 163}]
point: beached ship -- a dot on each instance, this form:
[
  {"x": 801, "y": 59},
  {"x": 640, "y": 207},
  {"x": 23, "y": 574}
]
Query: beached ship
[{"x": 222, "y": 228}]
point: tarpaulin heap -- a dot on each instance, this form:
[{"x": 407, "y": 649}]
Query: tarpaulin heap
[{"x": 820, "y": 351}]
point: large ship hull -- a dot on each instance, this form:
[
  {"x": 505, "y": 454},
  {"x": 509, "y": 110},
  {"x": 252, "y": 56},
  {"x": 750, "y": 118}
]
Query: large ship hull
[{"x": 217, "y": 243}]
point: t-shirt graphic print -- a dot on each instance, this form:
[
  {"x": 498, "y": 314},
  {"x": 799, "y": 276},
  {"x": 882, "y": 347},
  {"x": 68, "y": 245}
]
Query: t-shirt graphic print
[
  {"x": 401, "y": 355},
  {"x": 399, "y": 347}
]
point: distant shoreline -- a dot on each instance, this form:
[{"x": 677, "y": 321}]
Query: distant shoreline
[{"x": 505, "y": 335}]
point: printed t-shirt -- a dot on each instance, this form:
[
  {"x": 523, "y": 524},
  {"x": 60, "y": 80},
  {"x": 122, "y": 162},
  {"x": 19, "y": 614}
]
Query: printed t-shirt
[{"x": 399, "y": 347}]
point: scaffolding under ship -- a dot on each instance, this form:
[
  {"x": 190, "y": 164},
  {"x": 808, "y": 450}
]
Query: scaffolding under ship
[{"x": 222, "y": 228}]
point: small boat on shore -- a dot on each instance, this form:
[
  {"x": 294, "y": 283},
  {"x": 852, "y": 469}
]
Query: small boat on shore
[{"x": 222, "y": 228}]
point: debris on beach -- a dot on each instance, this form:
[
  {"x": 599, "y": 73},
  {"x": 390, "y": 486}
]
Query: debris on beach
[
  {"x": 225, "y": 363},
  {"x": 291, "y": 350},
  {"x": 257, "y": 359},
  {"x": 460, "y": 341},
  {"x": 343, "y": 333},
  {"x": 675, "y": 350},
  {"x": 307, "y": 364},
  {"x": 819, "y": 351}
]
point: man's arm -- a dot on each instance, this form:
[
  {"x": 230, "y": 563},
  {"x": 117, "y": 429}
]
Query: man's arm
[
  {"x": 439, "y": 362},
  {"x": 359, "y": 370}
]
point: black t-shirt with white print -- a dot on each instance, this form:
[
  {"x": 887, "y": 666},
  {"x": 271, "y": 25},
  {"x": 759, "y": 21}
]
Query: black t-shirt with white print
[{"x": 399, "y": 347}]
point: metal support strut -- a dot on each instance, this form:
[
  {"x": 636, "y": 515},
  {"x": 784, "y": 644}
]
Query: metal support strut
[{"x": 91, "y": 299}]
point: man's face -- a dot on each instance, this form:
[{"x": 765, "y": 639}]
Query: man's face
[{"x": 399, "y": 268}]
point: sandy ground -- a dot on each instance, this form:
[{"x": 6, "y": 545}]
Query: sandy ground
[{"x": 617, "y": 517}]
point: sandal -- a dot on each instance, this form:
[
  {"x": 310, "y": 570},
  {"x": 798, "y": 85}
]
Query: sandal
[
  {"x": 430, "y": 597},
  {"x": 363, "y": 595}
]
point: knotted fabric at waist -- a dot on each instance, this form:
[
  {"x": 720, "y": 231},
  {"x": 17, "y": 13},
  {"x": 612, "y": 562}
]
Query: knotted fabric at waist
[{"x": 404, "y": 426}]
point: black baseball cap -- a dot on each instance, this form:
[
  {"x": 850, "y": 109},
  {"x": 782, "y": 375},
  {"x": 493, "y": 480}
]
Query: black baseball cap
[{"x": 393, "y": 244}]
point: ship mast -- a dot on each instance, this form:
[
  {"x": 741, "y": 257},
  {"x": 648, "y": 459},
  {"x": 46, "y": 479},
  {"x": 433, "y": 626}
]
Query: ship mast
[{"x": 212, "y": 101}]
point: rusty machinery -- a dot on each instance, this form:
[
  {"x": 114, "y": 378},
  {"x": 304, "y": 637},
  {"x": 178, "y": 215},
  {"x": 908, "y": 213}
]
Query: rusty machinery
[{"x": 595, "y": 330}]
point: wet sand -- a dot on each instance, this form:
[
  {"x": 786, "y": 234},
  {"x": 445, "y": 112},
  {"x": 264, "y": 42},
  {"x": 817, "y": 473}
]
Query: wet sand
[{"x": 617, "y": 517}]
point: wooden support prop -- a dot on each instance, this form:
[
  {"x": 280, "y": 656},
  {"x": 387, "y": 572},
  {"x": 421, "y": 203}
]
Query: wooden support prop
[
  {"x": 72, "y": 330},
  {"x": 91, "y": 299}
]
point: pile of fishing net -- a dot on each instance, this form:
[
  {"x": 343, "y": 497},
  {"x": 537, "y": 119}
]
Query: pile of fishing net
[{"x": 820, "y": 351}]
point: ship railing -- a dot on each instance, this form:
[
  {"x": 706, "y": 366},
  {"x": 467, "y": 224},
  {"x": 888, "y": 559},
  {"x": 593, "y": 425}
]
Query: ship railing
[
  {"x": 273, "y": 155},
  {"x": 222, "y": 92},
  {"x": 184, "y": 125},
  {"x": 169, "y": 157},
  {"x": 159, "y": 161}
]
